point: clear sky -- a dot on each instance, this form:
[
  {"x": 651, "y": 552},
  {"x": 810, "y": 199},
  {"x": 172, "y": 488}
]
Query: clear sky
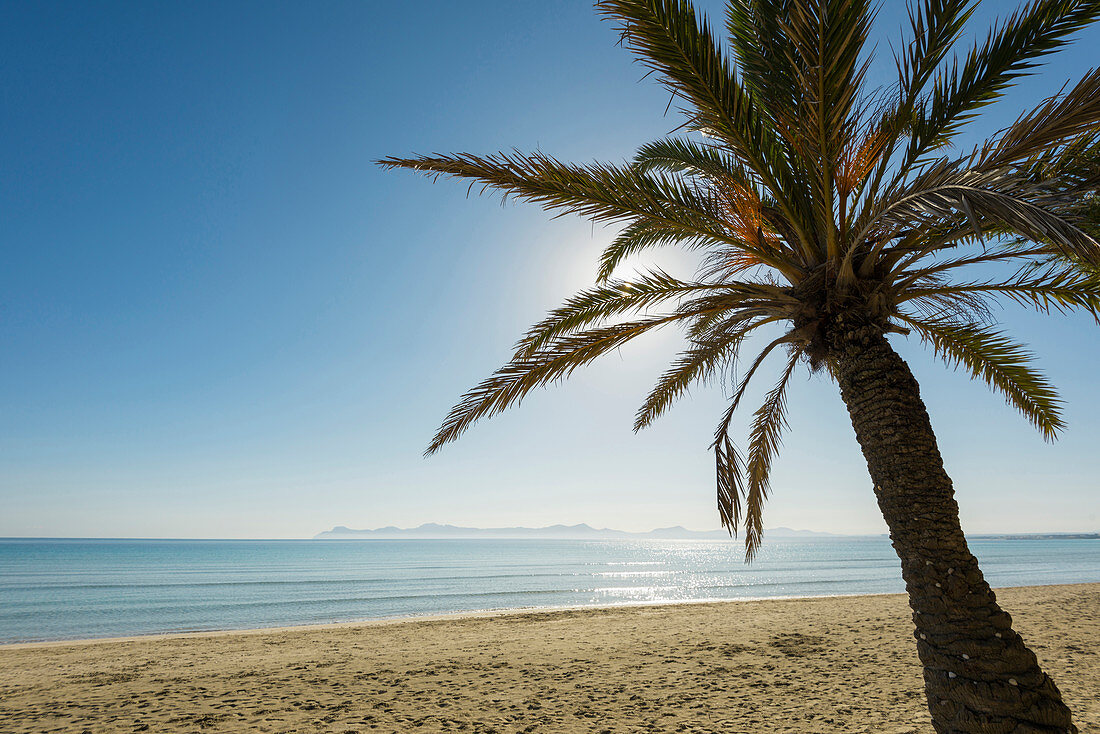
[{"x": 219, "y": 319}]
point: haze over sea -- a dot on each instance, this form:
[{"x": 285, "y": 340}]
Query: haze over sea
[{"x": 62, "y": 589}]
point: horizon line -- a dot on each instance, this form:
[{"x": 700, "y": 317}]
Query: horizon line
[{"x": 314, "y": 538}]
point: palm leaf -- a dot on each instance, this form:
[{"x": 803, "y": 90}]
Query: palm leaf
[
  {"x": 1001, "y": 363},
  {"x": 1043, "y": 286},
  {"x": 643, "y": 234},
  {"x": 826, "y": 39},
  {"x": 759, "y": 39},
  {"x": 1059, "y": 119},
  {"x": 1000, "y": 196},
  {"x": 765, "y": 437},
  {"x": 696, "y": 364},
  {"x": 935, "y": 26},
  {"x": 611, "y": 299},
  {"x": 600, "y": 192},
  {"x": 681, "y": 155},
  {"x": 1010, "y": 51},
  {"x": 671, "y": 40},
  {"x": 729, "y": 482},
  {"x": 559, "y": 359}
]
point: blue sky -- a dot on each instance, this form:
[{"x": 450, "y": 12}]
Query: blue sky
[{"x": 220, "y": 319}]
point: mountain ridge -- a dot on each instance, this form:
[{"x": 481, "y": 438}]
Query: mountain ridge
[{"x": 580, "y": 531}]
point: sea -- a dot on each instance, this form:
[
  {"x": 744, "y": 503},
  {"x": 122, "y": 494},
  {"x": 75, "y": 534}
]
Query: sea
[{"x": 53, "y": 589}]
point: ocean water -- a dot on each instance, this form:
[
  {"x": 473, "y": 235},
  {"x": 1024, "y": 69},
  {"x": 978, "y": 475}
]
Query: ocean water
[{"x": 64, "y": 589}]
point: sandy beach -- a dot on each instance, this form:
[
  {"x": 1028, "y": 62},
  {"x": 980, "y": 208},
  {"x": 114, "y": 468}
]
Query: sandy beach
[{"x": 844, "y": 664}]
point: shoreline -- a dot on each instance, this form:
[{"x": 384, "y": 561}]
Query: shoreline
[
  {"x": 367, "y": 622},
  {"x": 819, "y": 665},
  {"x": 414, "y": 618}
]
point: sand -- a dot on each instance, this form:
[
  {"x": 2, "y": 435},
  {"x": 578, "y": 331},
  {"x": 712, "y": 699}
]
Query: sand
[{"x": 843, "y": 664}]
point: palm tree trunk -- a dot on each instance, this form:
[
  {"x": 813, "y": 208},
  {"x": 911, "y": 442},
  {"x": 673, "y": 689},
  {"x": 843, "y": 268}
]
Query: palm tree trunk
[{"x": 978, "y": 674}]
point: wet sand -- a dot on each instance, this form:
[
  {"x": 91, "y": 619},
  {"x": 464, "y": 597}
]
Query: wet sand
[{"x": 842, "y": 664}]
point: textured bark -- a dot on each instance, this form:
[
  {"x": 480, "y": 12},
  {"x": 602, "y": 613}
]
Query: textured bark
[{"x": 978, "y": 674}]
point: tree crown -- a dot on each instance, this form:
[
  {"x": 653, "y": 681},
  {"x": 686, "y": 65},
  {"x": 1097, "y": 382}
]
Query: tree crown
[{"x": 821, "y": 206}]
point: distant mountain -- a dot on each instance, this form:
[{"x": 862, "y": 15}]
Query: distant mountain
[{"x": 433, "y": 530}]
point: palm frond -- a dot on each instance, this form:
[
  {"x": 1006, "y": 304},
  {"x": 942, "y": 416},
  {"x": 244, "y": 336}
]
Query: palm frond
[
  {"x": 614, "y": 298},
  {"x": 696, "y": 364},
  {"x": 935, "y": 27},
  {"x": 600, "y": 192},
  {"x": 729, "y": 481},
  {"x": 1075, "y": 165},
  {"x": 949, "y": 190},
  {"x": 1045, "y": 287},
  {"x": 765, "y": 437},
  {"x": 1011, "y": 50},
  {"x": 559, "y": 359},
  {"x": 680, "y": 47},
  {"x": 668, "y": 37},
  {"x": 681, "y": 155},
  {"x": 1028, "y": 218},
  {"x": 930, "y": 303},
  {"x": 910, "y": 265},
  {"x": 990, "y": 356},
  {"x": 826, "y": 39},
  {"x": 723, "y": 427},
  {"x": 643, "y": 234},
  {"x": 727, "y": 460},
  {"x": 758, "y": 37},
  {"x": 1057, "y": 120}
]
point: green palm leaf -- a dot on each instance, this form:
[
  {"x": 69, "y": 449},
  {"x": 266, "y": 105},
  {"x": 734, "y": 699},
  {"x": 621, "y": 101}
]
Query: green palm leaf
[
  {"x": 765, "y": 438},
  {"x": 668, "y": 37},
  {"x": 509, "y": 384},
  {"x": 600, "y": 192},
  {"x": 1010, "y": 51},
  {"x": 697, "y": 364},
  {"x": 614, "y": 298},
  {"x": 998, "y": 361},
  {"x": 641, "y": 235},
  {"x": 1045, "y": 287}
]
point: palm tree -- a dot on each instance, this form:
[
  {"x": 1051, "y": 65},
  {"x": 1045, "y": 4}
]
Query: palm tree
[{"x": 829, "y": 215}]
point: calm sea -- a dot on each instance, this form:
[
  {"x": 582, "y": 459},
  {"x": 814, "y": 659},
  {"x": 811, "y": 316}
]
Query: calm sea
[{"x": 60, "y": 589}]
